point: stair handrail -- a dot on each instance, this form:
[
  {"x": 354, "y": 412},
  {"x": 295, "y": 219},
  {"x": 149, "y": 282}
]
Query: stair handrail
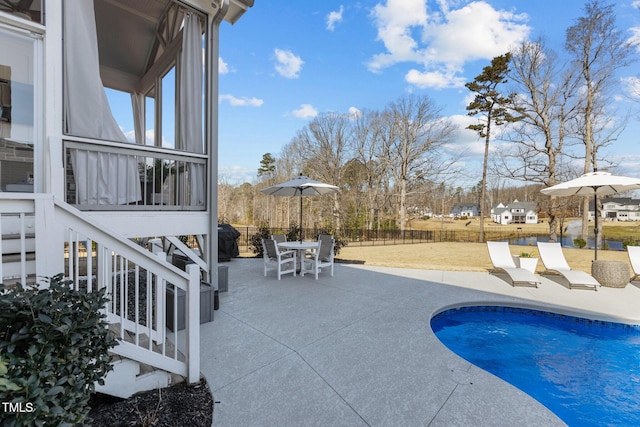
[
  {"x": 55, "y": 223},
  {"x": 188, "y": 281}
]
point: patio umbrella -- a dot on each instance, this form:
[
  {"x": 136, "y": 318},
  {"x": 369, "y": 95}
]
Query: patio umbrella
[
  {"x": 598, "y": 184},
  {"x": 298, "y": 187}
]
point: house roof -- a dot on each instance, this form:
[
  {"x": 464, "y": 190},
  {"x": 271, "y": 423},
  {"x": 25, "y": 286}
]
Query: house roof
[
  {"x": 459, "y": 207},
  {"x": 522, "y": 205},
  {"x": 527, "y": 206},
  {"x": 621, "y": 201}
]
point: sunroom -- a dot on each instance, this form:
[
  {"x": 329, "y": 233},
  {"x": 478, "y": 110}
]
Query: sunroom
[
  {"x": 69, "y": 68},
  {"x": 108, "y": 137}
]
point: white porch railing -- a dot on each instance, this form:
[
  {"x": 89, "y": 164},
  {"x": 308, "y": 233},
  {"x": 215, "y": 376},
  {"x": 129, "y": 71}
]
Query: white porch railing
[
  {"x": 162, "y": 178},
  {"x": 57, "y": 238}
]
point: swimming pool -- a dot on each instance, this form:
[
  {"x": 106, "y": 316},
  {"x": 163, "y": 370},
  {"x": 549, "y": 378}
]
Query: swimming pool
[{"x": 586, "y": 371}]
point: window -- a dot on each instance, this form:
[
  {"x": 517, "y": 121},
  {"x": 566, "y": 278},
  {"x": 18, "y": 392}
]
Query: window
[
  {"x": 27, "y": 10},
  {"x": 19, "y": 120}
]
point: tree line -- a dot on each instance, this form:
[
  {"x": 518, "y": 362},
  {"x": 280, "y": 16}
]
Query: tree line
[{"x": 549, "y": 114}]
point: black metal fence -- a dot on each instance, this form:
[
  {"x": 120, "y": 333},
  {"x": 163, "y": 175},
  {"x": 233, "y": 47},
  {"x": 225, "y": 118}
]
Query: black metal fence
[
  {"x": 377, "y": 237},
  {"x": 359, "y": 238}
]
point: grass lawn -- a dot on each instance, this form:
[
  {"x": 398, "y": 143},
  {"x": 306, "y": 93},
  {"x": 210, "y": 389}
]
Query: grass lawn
[
  {"x": 466, "y": 256},
  {"x": 460, "y": 256}
]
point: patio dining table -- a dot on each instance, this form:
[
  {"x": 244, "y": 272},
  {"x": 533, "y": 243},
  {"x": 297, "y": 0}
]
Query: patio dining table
[{"x": 301, "y": 247}]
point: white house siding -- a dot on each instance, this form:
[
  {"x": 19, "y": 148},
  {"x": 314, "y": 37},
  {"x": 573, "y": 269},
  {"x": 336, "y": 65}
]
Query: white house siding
[{"x": 517, "y": 212}]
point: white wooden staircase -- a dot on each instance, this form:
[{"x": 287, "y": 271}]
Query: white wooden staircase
[
  {"x": 127, "y": 379},
  {"x": 42, "y": 237}
]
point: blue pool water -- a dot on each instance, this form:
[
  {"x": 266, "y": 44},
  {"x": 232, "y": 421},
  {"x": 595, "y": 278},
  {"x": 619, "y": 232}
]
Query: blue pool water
[{"x": 587, "y": 372}]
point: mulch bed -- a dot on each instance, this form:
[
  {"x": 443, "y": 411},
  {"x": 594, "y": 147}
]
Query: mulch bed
[{"x": 178, "y": 405}]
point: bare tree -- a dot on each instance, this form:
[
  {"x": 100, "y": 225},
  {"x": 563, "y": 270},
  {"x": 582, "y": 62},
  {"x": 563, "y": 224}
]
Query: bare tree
[
  {"x": 547, "y": 103},
  {"x": 325, "y": 143},
  {"x": 417, "y": 145},
  {"x": 369, "y": 149},
  {"x": 598, "y": 50}
]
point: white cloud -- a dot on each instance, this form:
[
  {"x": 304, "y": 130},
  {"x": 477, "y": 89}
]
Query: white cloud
[
  {"x": 334, "y": 17},
  {"x": 467, "y": 141},
  {"x": 354, "y": 113},
  {"x": 288, "y": 64},
  {"x": 241, "y": 102},
  {"x": 395, "y": 22},
  {"x": 434, "y": 79},
  {"x": 442, "y": 41},
  {"x": 636, "y": 4},
  {"x": 149, "y": 137},
  {"x": 468, "y": 99},
  {"x": 632, "y": 86},
  {"x": 634, "y": 40},
  {"x": 306, "y": 111},
  {"x": 236, "y": 175},
  {"x": 223, "y": 67}
]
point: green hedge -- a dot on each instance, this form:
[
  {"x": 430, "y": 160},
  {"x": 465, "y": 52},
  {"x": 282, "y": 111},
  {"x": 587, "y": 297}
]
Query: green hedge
[{"x": 54, "y": 345}]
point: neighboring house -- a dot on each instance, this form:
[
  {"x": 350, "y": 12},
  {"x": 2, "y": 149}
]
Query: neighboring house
[
  {"x": 515, "y": 213},
  {"x": 71, "y": 181},
  {"x": 465, "y": 210},
  {"x": 617, "y": 209},
  {"x": 420, "y": 211}
]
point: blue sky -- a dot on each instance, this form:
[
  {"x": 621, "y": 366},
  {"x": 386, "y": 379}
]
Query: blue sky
[{"x": 285, "y": 61}]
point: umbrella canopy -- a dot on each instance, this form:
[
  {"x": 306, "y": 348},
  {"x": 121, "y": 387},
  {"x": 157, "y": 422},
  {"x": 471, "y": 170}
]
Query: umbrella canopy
[
  {"x": 600, "y": 183},
  {"x": 596, "y": 184},
  {"x": 298, "y": 187}
]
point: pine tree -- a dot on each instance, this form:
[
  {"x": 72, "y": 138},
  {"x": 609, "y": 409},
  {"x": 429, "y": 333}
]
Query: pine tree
[
  {"x": 494, "y": 109},
  {"x": 267, "y": 165}
]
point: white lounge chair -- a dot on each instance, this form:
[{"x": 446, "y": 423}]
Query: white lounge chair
[
  {"x": 503, "y": 261},
  {"x": 554, "y": 262},
  {"x": 283, "y": 261},
  {"x": 634, "y": 259}
]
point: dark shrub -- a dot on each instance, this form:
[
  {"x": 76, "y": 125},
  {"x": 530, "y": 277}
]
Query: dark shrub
[
  {"x": 293, "y": 233},
  {"x": 54, "y": 345},
  {"x": 255, "y": 240}
]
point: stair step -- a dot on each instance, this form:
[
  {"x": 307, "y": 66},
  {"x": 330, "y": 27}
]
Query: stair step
[
  {"x": 145, "y": 369},
  {"x": 12, "y": 269},
  {"x": 12, "y": 244},
  {"x": 125, "y": 380}
]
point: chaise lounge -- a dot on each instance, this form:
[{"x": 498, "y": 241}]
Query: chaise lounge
[
  {"x": 634, "y": 259},
  {"x": 555, "y": 262},
  {"x": 503, "y": 261}
]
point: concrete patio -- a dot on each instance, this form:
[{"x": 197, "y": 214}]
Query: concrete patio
[{"x": 356, "y": 349}]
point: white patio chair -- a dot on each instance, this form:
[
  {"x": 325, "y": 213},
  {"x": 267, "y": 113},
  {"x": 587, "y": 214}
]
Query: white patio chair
[
  {"x": 321, "y": 258},
  {"x": 554, "y": 262},
  {"x": 279, "y": 238},
  {"x": 283, "y": 261},
  {"x": 503, "y": 261}
]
